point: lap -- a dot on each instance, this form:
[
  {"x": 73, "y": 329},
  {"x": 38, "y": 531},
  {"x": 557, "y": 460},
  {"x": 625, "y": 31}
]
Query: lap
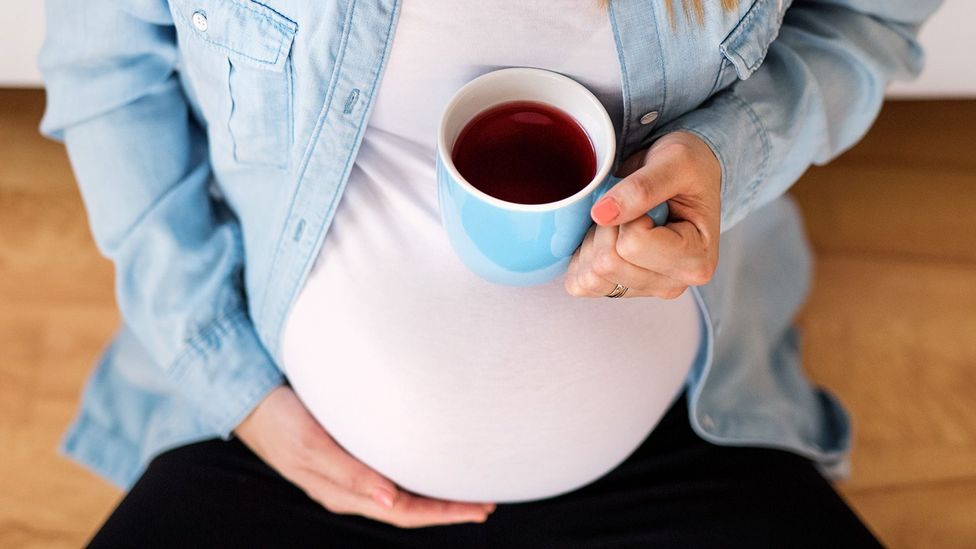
[
  {"x": 676, "y": 490},
  {"x": 218, "y": 493}
]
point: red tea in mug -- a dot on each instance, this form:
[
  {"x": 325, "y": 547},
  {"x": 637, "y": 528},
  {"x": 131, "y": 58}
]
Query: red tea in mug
[{"x": 525, "y": 152}]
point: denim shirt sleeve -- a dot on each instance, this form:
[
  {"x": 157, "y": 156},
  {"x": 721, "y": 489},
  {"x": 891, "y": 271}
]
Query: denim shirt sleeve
[
  {"x": 140, "y": 159},
  {"x": 819, "y": 87}
]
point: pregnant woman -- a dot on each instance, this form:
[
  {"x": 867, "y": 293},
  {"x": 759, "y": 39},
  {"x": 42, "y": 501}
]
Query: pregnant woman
[{"x": 305, "y": 362}]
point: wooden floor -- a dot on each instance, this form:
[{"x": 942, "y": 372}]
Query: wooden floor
[{"x": 890, "y": 326}]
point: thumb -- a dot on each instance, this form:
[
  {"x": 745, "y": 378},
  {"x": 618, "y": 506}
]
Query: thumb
[{"x": 632, "y": 196}]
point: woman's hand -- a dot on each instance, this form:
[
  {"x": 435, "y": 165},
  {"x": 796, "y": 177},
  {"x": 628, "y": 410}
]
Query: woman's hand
[
  {"x": 286, "y": 436},
  {"x": 625, "y": 247}
]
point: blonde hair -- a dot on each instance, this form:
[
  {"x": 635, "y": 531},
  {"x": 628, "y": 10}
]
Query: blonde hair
[{"x": 696, "y": 7}]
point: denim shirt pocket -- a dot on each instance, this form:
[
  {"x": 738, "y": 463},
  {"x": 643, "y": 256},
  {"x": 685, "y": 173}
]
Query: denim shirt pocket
[
  {"x": 745, "y": 48},
  {"x": 254, "y": 45}
]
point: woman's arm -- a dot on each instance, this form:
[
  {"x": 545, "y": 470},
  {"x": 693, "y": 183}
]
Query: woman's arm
[
  {"x": 140, "y": 160},
  {"x": 815, "y": 95}
]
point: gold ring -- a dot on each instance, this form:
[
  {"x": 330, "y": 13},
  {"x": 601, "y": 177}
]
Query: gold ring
[{"x": 619, "y": 291}]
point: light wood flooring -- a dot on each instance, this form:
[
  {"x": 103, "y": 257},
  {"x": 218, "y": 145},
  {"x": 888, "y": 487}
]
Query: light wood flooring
[{"x": 890, "y": 326}]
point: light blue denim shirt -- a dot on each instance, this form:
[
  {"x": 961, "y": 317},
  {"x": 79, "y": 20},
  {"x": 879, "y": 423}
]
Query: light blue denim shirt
[{"x": 212, "y": 139}]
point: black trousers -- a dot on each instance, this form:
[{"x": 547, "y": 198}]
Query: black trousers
[{"x": 675, "y": 490}]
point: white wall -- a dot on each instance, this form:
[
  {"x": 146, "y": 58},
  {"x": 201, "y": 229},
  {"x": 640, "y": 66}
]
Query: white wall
[
  {"x": 949, "y": 40},
  {"x": 23, "y": 30}
]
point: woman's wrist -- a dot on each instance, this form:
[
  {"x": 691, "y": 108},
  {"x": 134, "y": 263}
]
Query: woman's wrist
[{"x": 248, "y": 425}]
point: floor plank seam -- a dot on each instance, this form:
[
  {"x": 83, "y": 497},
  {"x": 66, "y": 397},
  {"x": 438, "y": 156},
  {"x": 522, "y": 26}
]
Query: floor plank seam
[
  {"x": 951, "y": 482},
  {"x": 895, "y": 257}
]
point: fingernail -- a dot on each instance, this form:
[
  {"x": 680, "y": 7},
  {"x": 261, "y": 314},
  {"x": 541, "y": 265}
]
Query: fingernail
[
  {"x": 606, "y": 210},
  {"x": 490, "y": 507},
  {"x": 384, "y": 497}
]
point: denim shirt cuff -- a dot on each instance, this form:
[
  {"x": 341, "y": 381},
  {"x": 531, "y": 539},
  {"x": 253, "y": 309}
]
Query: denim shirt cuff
[
  {"x": 225, "y": 372},
  {"x": 740, "y": 142}
]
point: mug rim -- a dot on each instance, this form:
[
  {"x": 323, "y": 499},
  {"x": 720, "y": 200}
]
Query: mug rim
[{"x": 603, "y": 169}]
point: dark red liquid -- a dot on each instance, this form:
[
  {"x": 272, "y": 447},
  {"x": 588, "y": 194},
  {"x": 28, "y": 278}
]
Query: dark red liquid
[{"x": 525, "y": 152}]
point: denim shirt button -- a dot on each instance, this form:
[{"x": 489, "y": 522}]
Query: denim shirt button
[
  {"x": 199, "y": 21},
  {"x": 649, "y": 117}
]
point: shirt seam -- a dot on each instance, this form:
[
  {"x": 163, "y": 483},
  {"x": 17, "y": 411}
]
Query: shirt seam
[{"x": 306, "y": 158}]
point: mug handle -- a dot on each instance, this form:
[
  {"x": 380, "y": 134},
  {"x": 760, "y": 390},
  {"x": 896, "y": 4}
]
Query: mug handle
[{"x": 658, "y": 214}]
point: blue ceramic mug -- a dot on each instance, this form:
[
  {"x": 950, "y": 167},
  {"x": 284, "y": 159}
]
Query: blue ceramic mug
[{"x": 522, "y": 244}]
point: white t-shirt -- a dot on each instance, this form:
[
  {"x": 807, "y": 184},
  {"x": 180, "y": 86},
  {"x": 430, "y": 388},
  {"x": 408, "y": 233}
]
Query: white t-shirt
[{"x": 451, "y": 386}]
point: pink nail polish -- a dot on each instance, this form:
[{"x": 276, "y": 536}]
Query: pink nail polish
[{"x": 606, "y": 210}]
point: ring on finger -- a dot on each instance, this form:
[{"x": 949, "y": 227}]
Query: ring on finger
[{"x": 618, "y": 291}]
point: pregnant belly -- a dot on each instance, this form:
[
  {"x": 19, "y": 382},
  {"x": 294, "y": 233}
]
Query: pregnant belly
[
  {"x": 494, "y": 414},
  {"x": 485, "y": 434}
]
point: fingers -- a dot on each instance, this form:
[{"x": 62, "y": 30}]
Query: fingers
[
  {"x": 682, "y": 170},
  {"x": 343, "y": 484},
  {"x": 413, "y": 510},
  {"x": 327, "y": 459},
  {"x": 284, "y": 435},
  {"x": 409, "y": 511},
  {"x": 596, "y": 268},
  {"x": 634, "y": 195},
  {"x": 581, "y": 280},
  {"x": 677, "y": 250}
]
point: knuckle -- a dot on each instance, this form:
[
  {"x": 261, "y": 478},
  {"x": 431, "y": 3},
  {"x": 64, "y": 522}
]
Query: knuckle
[
  {"x": 700, "y": 274},
  {"x": 679, "y": 151},
  {"x": 573, "y": 288},
  {"x": 640, "y": 189},
  {"x": 628, "y": 246},
  {"x": 591, "y": 281},
  {"x": 605, "y": 263},
  {"x": 573, "y": 291},
  {"x": 684, "y": 153}
]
